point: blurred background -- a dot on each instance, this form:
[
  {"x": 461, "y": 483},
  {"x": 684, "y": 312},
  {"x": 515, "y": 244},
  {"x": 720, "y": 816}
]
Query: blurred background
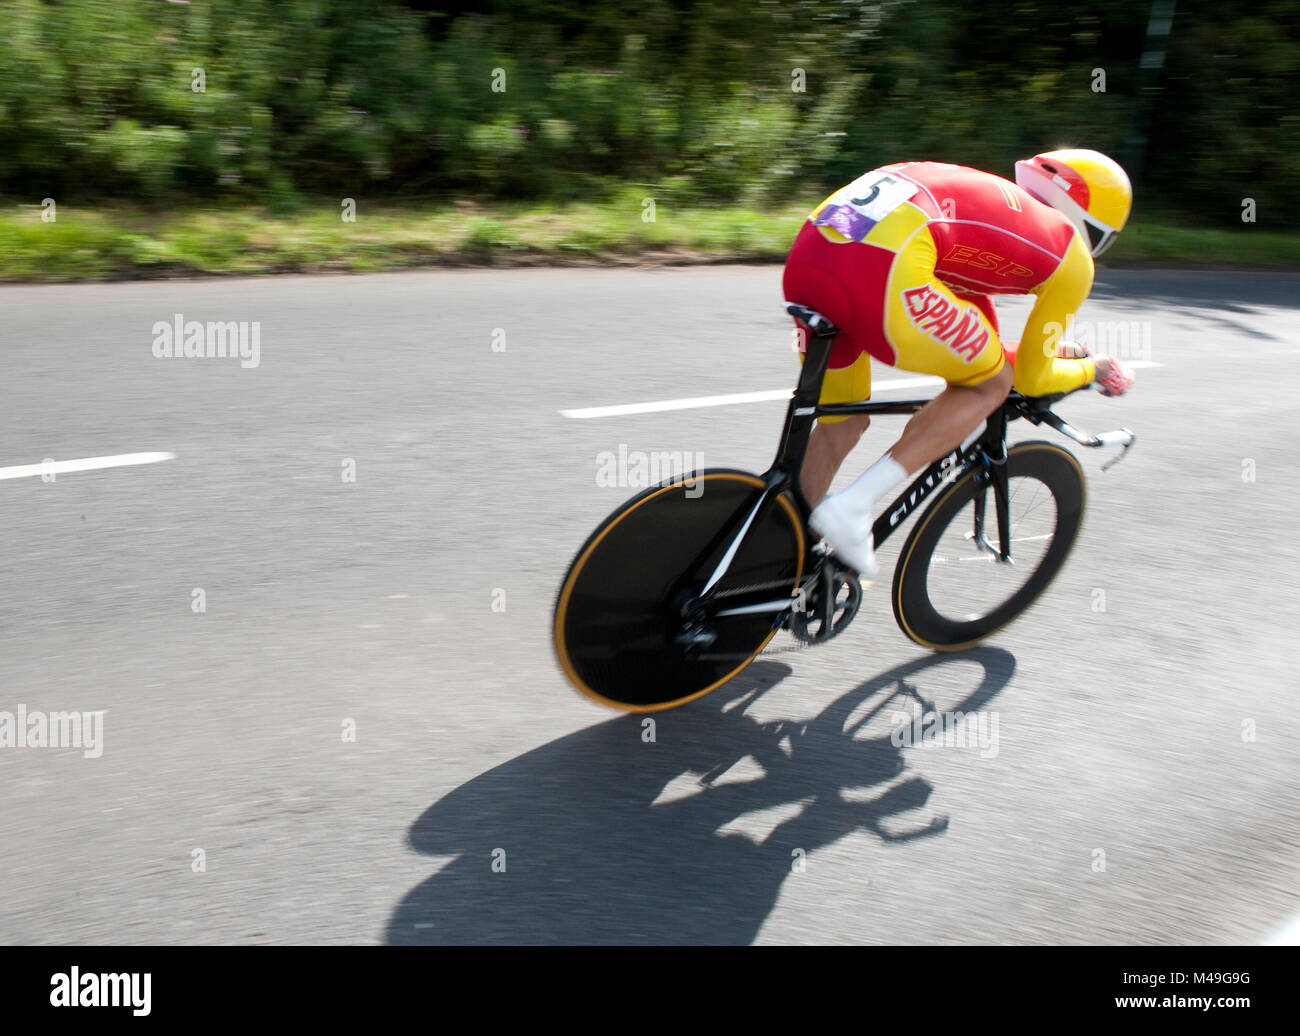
[{"x": 145, "y": 110}]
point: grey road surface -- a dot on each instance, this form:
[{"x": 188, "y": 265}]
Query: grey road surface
[{"x": 320, "y": 636}]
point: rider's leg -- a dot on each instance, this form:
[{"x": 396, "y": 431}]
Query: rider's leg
[
  {"x": 829, "y": 445},
  {"x": 941, "y": 425},
  {"x": 935, "y": 429},
  {"x": 847, "y": 379},
  {"x": 933, "y": 331},
  {"x": 844, "y": 519}
]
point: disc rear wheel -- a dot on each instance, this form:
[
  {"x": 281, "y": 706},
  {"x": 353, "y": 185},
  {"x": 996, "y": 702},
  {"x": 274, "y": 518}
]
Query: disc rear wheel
[{"x": 623, "y": 629}]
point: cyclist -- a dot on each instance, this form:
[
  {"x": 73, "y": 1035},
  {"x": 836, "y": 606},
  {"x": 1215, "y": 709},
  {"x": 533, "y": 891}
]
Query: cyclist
[{"x": 905, "y": 261}]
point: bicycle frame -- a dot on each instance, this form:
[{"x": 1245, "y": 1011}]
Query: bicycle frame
[{"x": 984, "y": 451}]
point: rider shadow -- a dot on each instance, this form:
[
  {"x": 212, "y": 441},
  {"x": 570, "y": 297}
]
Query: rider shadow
[{"x": 582, "y": 841}]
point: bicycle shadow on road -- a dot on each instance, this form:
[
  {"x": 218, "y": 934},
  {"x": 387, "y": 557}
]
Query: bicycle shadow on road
[{"x": 597, "y": 847}]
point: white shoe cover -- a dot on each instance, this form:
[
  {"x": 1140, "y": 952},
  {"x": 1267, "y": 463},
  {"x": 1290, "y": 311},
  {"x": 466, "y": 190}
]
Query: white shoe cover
[{"x": 847, "y": 528}]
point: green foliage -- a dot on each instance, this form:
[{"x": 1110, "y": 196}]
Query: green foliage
[
  {"x": 703, "y": 101},
  {"x": 1231, "y": 122}
]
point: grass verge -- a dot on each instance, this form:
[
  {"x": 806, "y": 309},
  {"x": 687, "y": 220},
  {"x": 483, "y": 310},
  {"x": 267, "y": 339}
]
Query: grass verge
[{"x": 126, "y": 242}]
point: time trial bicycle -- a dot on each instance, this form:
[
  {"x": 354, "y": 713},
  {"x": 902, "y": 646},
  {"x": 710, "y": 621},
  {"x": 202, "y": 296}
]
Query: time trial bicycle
[{"x": 687, "y": 583}]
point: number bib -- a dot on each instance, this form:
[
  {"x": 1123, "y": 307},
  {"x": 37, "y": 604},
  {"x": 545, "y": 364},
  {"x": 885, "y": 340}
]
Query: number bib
[{"x": 855, "y": 209}]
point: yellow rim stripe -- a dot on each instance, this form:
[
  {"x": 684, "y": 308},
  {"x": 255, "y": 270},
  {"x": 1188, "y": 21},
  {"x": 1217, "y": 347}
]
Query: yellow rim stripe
[
  {"x": 929, "y": 515},
  {"x": 561, "y": 610}
]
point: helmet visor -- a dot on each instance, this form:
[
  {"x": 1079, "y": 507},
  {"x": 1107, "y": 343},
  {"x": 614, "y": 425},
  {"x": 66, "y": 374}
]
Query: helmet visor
[{"x": 1100, "y": 236}]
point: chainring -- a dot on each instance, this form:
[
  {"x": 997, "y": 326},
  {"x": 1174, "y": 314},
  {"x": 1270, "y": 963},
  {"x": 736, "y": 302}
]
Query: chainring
[
  {"x": 810, "y": 620},
  {"x": 805, "y": 620}
]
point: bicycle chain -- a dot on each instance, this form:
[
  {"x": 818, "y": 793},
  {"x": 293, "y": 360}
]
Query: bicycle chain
[
  {"x": 798, "y": 645},
  {"x": 772, "y": 584}
]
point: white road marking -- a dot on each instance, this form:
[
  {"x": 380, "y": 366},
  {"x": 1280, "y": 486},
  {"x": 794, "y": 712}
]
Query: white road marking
[
  {"x": 696, "y": 402},
  {"x": 675, "y": 404},
  {"x": 59, "y": 467}
]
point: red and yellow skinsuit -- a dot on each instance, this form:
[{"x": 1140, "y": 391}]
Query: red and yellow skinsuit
[{"x": 905, "y": 261}]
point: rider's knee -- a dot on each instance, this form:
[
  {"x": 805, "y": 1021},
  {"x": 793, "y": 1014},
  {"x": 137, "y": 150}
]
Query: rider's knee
[
  {"x": 857, "y": 424},
  {"x": 1000, "y": 383}
]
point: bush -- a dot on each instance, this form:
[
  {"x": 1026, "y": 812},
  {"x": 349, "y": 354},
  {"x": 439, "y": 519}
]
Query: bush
[{"x": 700, "y": 100}]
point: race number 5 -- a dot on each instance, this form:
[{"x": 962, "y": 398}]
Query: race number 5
[
  {"x": 869, "y": 197},
  {"x": 885, "y": 194},
  {"x": 855, "y": 209}
]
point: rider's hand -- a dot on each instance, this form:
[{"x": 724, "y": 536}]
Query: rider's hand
[
  {"x": 1072, "y": 351},
  {"x": 1112, "y": 376}
]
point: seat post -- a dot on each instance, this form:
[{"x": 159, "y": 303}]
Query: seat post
[
  {"x": 816, "y": 357},
  {"x": 802, "y": 411}
]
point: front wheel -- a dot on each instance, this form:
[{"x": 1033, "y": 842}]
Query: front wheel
[{"x": 950, "y": 588}]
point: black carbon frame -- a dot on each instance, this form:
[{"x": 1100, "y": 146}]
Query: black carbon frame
[{"x": 986, "y": 454}]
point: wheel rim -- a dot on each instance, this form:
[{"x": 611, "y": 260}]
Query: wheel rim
[
  {"x": 934, "y": 615},
  {"x": 614, "y": 630}
]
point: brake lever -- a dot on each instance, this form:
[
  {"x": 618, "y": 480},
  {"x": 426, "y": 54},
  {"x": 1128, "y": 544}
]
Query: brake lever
[
  {"x": 1124, "y": 438},
  {"x": 1120, "y": 437}
]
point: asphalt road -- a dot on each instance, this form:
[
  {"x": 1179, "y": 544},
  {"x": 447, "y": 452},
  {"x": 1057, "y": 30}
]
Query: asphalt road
[{"x": 320, "y": 636}]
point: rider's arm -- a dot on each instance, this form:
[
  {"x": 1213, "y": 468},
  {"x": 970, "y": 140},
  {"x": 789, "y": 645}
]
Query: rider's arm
[{"x": 1039, "y": 370}]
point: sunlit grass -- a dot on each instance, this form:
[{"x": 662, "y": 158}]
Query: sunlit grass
[
  {"x": 125, "y": 242},
  {"x": 1246, "y": 245}
]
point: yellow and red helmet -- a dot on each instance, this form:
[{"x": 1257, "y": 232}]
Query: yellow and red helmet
[{"x": 1093, "y": 190}]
